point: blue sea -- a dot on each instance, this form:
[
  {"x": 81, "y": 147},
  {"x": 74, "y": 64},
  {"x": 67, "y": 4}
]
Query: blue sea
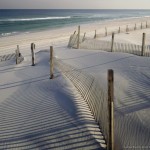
[{"x": 18, "y": 21}]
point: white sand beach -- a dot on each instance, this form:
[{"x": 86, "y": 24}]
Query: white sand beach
[{"x": 36, "y": 112}]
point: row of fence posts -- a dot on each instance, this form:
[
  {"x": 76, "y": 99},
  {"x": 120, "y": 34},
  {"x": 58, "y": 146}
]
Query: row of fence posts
[
  {"x": 18, "y": 54},
  {"x": 110, "y": 142},
  {"x": 127, "y": 28},
  {"x": 106, "y": 33},
  {"x": 33, "y": 58},
  {"x": 112, "y": 41},
  {"x": 143, "y": 43}
]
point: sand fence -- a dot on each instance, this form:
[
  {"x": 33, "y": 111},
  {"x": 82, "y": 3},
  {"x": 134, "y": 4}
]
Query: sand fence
[
  {"x": 17, "y": 56},
  {"x": 87, "y": 42},
  {"x": 92, "y": 92},
  {"x": 127, "y": 130}
]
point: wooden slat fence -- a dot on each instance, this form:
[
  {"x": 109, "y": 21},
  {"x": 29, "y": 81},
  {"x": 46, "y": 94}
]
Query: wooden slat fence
[{"x": 91, "y": 91}]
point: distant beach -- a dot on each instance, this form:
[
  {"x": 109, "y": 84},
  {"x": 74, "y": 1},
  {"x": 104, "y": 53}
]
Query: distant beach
[
  {"x": 14, "y": 22},
  {"x": 55, "y": 36}
]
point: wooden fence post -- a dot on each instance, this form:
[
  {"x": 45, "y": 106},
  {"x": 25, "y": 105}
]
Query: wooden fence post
[
  {"x": 105, "y": 31},
  {"x": 112, "y": 42},
  {"x": 51, "y": 63},
  {"x": 146, "y": 24},
  {"x": 32, "y": 53},
  {"x": 17, "y": 54},
  {"x": 143, "y": 44},
  {"x": 84, "y": 37},
  {"x": 71, "y": 38},
  {"x": 135, "y": 27},
  {"x": 119, "y": 30},
  {"x": 111, "y": 109},
  {"x": 127, "y": 28},
  {"x": 141, "y": 25},
  {"x": 95, "y": 35},
  {"x": 78, "y": 42}
]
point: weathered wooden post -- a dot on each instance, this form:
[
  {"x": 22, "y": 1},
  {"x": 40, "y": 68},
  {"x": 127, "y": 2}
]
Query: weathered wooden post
[
  {"x": 127, "y": 28},
  {"x": 84, "y": 37},
  {"x": 32, "y": 53},
  {"x": 51, "y": 63},
  {"x": 141, "y": 25},
  {"x": 112, "y": 42},
  {"x": 95, "y": 35},
  {"x": 105, "y": 31},
  {"x": 111, "y": 109},
  {"x": 143, "y": 44},
  {"x": 135, "y": 27},
  {"x": 119, "y": 30},
  {"x": 71, "y": 38},
  {"x": 146, "y": 24},
  {"x": 17, "y": 54},
  {"x": 78, "y": 41}
]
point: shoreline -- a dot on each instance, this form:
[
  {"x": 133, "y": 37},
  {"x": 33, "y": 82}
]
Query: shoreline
[
  {"x": 131, "y": 82},
  {"x": 46, "y": 38},
  {"x": 119, "y": 21}
]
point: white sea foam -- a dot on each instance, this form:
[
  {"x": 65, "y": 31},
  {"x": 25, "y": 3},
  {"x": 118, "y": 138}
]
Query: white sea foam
[
  {"x": 8, "y": 34},
  {"x": 34, "y": 19}
]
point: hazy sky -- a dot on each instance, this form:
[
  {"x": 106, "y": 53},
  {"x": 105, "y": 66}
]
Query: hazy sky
[{"x": 80, "y": 4}]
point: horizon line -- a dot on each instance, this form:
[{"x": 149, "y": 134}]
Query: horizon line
[{"x": 73, "y": 9}]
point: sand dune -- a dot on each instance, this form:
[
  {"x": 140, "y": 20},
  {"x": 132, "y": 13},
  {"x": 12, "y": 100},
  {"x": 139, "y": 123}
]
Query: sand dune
[{"x": 38, "y": 112}]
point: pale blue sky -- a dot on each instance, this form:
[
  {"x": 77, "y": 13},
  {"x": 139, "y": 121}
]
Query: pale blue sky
[{"x": 80, "y": 4}]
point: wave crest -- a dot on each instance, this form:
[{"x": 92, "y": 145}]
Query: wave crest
[{"x": 34, "y": 19}]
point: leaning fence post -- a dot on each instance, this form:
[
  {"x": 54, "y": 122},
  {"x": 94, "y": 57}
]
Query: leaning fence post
[
  {"x": 111, "y": 109},
  {"x": 141, "y": 25},
  {"x": 112, "y": 42},
  {"x": 78, "y": 42},
  {"x": 32, "y": 53},
  {"x": 84, "y": 37},
  {"x": 105, "y": 31},
  {"x": 51, "y": 63},
  {"x": 146, "y": 24},
  {"x": 95, "y": 35},
  {"x": 71, "y": 38},
  {"x": 143, "y": 44}
]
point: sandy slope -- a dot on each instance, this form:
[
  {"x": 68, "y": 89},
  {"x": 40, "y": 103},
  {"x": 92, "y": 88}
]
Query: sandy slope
[
  {"x": 133, "y": 37},
  {"x": 39, "y": 113},
  {"x": 132, "y": 89},
  {"x": 28, "y": 97}
]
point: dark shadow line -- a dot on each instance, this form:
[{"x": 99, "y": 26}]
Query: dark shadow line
[
  {"x": 82, "y": 56},
  {"x": 24, "y": 83},
  {"x": 24, "y": 80},
  {"x": 15, "y": 68},
  {"x": 32, "y": 135}
]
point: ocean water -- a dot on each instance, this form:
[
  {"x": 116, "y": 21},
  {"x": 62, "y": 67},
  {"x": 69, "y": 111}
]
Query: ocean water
[{"x": 18, "y": 21}]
